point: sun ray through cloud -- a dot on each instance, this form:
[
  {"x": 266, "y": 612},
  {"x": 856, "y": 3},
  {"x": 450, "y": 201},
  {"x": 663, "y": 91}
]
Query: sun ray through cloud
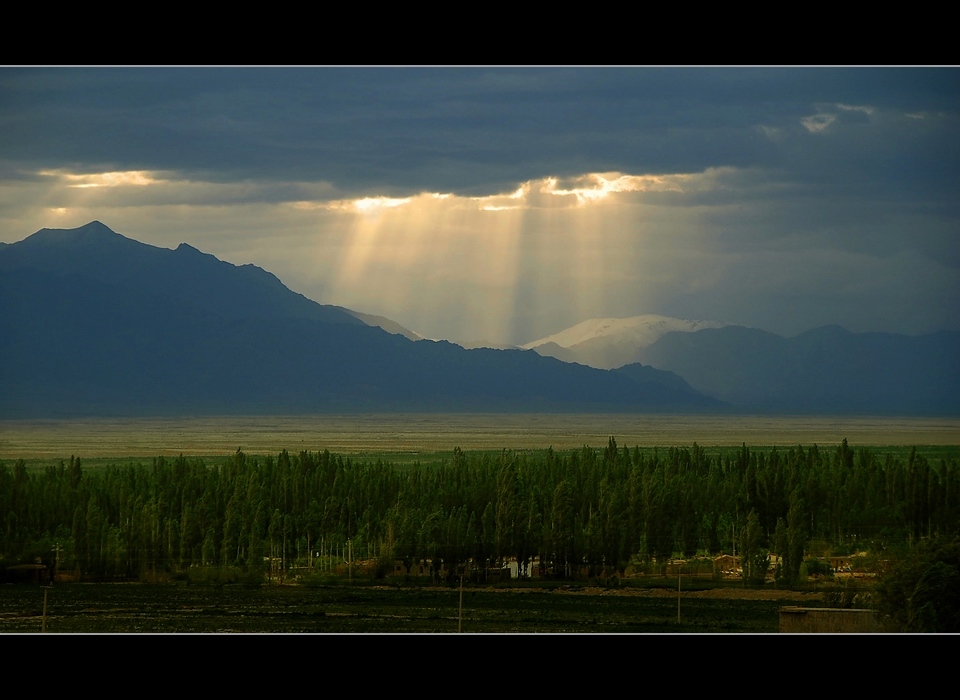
[{"x": 441, "y": 251}]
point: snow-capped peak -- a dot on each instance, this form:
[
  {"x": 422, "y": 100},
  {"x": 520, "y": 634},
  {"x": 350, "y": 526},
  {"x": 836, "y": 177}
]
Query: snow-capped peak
[{"x": 637, "y": 331}]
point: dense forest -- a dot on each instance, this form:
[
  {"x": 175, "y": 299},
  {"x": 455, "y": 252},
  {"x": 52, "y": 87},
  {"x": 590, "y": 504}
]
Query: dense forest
[{"x": 593, "y": 510}]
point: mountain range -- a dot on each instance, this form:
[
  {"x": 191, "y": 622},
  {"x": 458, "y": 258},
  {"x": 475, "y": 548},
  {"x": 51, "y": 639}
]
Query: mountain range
[
  {"x": 93, "y": 323},
  {"x": 825, "y": 370},
  {"x": 608, "y": 343}
]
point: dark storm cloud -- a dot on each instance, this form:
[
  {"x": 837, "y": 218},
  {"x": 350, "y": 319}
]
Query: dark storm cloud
[
  {"x": 470, "y": 130},
  {"x": 791, "y": 197}
]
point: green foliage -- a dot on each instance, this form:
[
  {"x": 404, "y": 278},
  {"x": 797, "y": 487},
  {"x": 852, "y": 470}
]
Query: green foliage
[
  {"x": 920, "y": 592},
  {"x": 587, "y": 512},
  {"x": 753, "y": 555},
  {"x": 818, "y": 567}
]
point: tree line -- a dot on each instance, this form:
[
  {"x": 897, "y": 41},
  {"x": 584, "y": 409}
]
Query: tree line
[{"x": 588, "y": 510}]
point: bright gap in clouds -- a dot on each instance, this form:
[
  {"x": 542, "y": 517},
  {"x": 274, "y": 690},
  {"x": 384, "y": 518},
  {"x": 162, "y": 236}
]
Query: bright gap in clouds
[
  {"x": 139, "y": 178},
  {"x": 550, "y": 253},
  {"x": 478, "y": 266},
  {"x": 544, "y": 255}
]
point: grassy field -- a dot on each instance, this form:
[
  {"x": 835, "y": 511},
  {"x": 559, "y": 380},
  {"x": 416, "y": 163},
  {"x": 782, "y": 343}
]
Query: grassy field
[
  {"x": 146, "y": 608},
  {"x": 401, "y": 438}
]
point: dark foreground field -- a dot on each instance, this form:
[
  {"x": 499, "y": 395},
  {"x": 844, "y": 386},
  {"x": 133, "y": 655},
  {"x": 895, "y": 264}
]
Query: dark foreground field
[{"x": 145, "y": 608}]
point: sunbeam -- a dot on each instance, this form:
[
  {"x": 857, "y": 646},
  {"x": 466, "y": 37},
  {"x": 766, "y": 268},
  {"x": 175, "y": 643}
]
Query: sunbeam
[{"x": 488, "y": 261}]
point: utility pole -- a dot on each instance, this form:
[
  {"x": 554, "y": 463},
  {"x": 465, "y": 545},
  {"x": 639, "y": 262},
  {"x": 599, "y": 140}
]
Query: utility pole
[
  {"x": 43, "y": 626},
  {"x": 460, "y": 614},
  {"x": 56, "y": 565},
  {"x": 679, "y": 569}
]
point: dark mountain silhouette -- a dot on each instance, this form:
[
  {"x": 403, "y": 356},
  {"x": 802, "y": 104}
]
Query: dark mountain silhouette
[
  {"x": 666, "y": 385},
  {"x": 183, "y": 275},
  {"x": 385, "y": 323},
  {"x": 94, "y": 323},
  {"x": 825, "y": 370}
]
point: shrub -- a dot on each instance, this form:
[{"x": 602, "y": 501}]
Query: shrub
[{"x": 920, "y": 589}]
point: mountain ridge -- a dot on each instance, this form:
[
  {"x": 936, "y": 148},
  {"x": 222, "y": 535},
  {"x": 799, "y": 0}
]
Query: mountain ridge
[
  {"x": 824, "y": 370},
  {"x": 608, "y": 343},
  {"x": 105, "y": 325}
]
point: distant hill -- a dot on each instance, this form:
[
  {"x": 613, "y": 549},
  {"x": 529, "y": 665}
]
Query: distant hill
[
  {"x": 93, "y": 323},
  {"x": 611, "y": 343},
  {"x": 474, "y": 344},
  {"x": 825, "y": 370},
  {"x": 385, "y": 323},
  {"x": 608, "y": 343},
  {"x": 185, "y": 275}
]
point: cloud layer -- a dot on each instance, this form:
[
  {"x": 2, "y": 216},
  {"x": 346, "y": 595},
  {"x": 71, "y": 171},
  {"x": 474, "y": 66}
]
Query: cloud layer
[{"x": 506, "y": 204}]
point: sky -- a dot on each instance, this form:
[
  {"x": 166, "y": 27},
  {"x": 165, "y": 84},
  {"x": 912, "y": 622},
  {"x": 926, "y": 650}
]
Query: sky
[{"x": 505, "y": 204}]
